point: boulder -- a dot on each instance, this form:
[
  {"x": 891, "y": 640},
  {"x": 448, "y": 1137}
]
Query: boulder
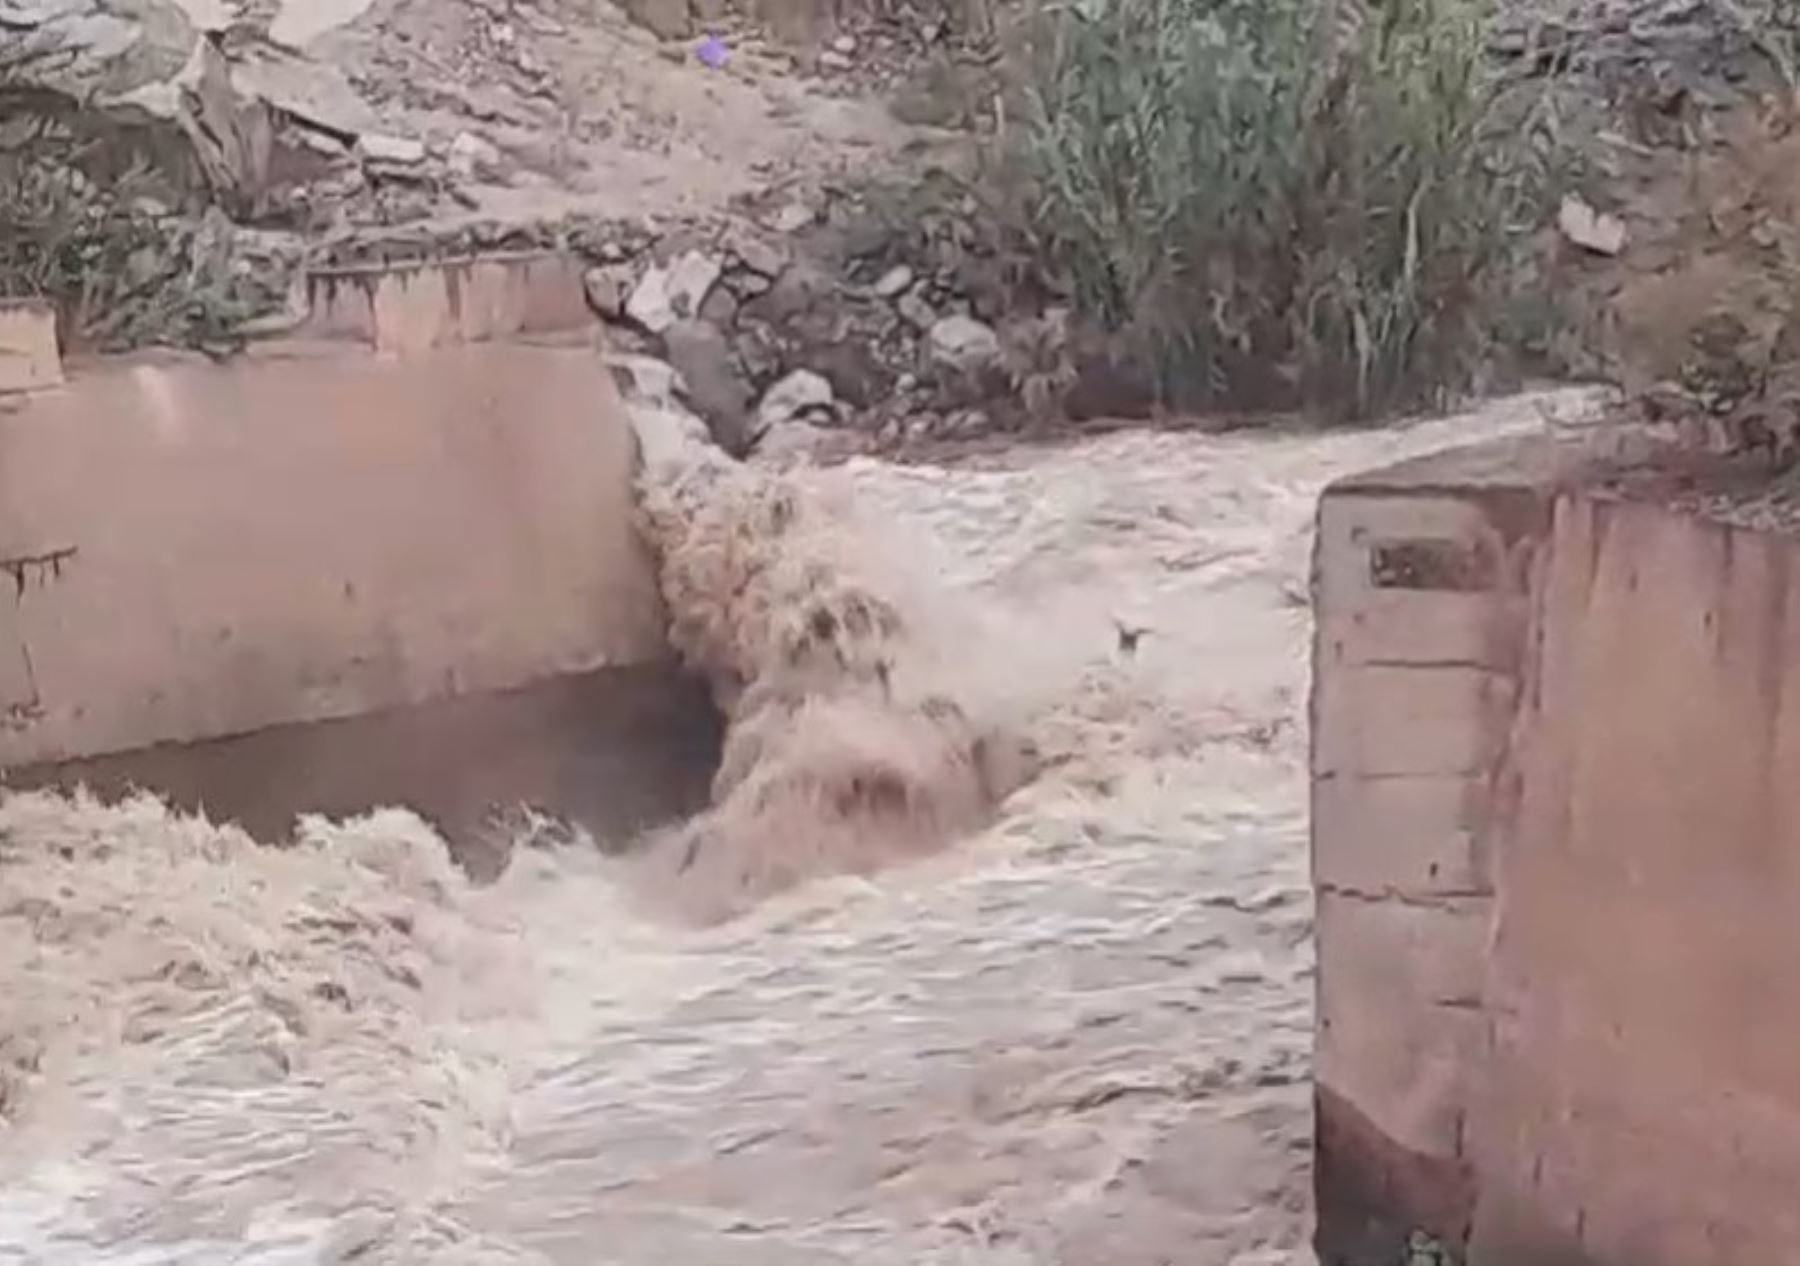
[
  {"x": 666, "y": 19},
  {"x": 608, "y": 286},
  {"x": 716, "y": 390},
  {"x": 964, "y": 344},
  {"x": 667, "y": 294},
  {"x": 894, "y": 282},
  {"x": 801, "y": 395}
]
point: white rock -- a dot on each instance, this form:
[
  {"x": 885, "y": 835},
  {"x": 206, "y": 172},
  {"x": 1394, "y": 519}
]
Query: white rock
[
  {"x": 845, "y": 44},
  {"x": 894, "y": 282},
  {"x": 312, "y": 91},
  {"x": 792, "y": 218},
  {"x": 472, "y": 155},
  {"x": 667, "y": 435},
  {"x": 402, "y": 151},
  {"x": 607, "y": 286},
  {"x": 963, "y": 343},
  {"x": 298, "y": 23},
  {"x": 759, "y": 256},
  {"x": 649, "y": 304},
  {"x": 1589, "y": 229},
  {"x": 319, "y": 142},
  {"x": 646, "y": 380},
  {"x": 793, "y": 444},
  {"x": 916, "y": 312},
  {"x": 800, "y": 392},
  {"x": 691, "y": 280},
  {"x": 216, "y": 15},
  {"x": 666, "y": 295},
  {"x": 831, "y": 59},
  {"x": 748, "y": 285}
]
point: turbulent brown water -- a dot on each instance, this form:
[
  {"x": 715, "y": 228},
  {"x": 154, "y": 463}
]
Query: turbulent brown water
[{"x": 1079, "y": 1037}]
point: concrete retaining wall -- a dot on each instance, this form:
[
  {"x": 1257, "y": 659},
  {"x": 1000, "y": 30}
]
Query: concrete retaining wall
[
  {"x": 1557, "y": 841},
  {"x": 200, "y": 561}
]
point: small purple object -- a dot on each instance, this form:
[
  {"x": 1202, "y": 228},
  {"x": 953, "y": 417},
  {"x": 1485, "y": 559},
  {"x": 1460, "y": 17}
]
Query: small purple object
[{"x": 712, "y": 52}]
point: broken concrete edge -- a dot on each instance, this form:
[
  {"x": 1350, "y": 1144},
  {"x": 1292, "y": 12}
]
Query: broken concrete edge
[
  {"x": 393, "y": 308},
  {"x": 419, "y": 305},
  {"x": 372, "y": 270}
]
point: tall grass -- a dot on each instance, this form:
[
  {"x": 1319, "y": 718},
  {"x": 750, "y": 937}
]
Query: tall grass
[{"x": 1284, "y": 201}]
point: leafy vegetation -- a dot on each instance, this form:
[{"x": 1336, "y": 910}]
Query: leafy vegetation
[
  {"x": 1285, "y": 202},
  {"x": 100, "y": 240}
]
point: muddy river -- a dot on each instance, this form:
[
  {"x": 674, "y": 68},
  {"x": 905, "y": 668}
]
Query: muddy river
[{"x": 1080, "y": 1038}]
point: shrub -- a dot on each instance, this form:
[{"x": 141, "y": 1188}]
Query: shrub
[
  {"x": 89, "y": 226},
  {"x": 1284, "y": 202}
]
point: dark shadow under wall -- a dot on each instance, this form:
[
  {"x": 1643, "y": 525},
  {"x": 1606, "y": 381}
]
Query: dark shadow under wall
[{"x": 615, "y": 752}]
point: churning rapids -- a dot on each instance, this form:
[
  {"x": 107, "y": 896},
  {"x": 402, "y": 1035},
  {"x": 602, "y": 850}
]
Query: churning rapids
[{"x": 1079, "y": 1036}]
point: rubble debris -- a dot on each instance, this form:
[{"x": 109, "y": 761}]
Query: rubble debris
[
  {"x": 649, "y": 305},
  {"x": 894, "y": 282},
  {"x": 792, "y": 217},
  {"x": 716, "y": 390},
  {"x": 391, "y": 151},
  {"x": 793, "y": 443},
  {"x": 666, "y": 19},
  {"x": 473, "y": 157},
  {"x": 309, "y": 91},
  {"x": 964, "y": 344},
  {"x": 667, "y": 294},
  {"x": 233, "y": 138},
  {"x": 802, "y": 395},
  {"x": 608, "y": 286},
  {"x": 758, "y": 254},
  {"x": 105, "y": 52},
  {"x": 1590, "y": 229},
  {"x": 298, "y": 23},
  {"x": 916, "y": 312},
  {"x": 645, "y": 379},
  {"x": 721, "y": 307}
]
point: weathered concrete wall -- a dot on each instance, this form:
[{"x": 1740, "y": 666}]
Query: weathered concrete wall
[
  {"x": 29, "y": 357},
  {"x": 1643, "y": 1101},
  {"x": 1422, "y": 594},
  {"x": 404, "y": 308},
  {"x": 193, "y": 553},
  {"x": 1557, "y": 856}
]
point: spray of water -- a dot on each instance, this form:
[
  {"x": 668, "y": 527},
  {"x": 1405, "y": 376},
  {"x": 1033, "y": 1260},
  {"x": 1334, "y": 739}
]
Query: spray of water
[{"x": 850, "y": 743}]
